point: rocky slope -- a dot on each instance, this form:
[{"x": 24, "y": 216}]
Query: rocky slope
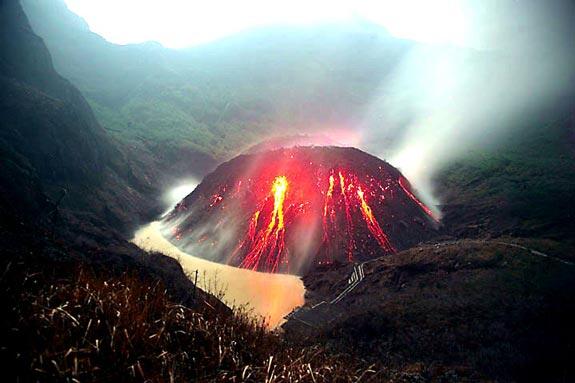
[
  {"x": 479, "y": 309},
  {"x": 291, "y": 209},
  {"x": 67, "y": 190},
  {"x": 53, "y": 149}
]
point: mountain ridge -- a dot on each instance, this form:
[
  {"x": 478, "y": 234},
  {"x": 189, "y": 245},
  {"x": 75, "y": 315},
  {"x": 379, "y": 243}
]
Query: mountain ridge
[{"x": 206, "y": 95}]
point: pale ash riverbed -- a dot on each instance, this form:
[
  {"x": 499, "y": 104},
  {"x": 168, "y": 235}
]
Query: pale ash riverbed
[{"x": 272, "y": 296}]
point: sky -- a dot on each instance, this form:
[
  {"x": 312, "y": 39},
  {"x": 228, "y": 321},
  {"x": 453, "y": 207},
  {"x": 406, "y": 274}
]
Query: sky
[{"x": 184, "y": 23}]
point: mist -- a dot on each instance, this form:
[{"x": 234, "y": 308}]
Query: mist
[
  {"x": 473, "y": 72},
  {"x": 444, "y": 101},
  {"x": 176, "y": 192}
]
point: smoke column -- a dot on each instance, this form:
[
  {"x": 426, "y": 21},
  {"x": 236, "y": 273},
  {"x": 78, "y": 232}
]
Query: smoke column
[{"x": 443, "y": 101}]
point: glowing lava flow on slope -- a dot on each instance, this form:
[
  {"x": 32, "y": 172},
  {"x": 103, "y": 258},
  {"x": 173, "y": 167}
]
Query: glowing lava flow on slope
[
  {"x": 270, "y": 242},
  {"x": 372, "y": 224},
  {"x": 348, "y": 220},
  {"x": 286, "y": 210},
  {"x": 406, "y": 188}
]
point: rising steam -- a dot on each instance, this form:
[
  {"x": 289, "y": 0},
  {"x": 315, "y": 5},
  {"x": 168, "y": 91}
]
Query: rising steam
[{"x": 443, "y": 101}]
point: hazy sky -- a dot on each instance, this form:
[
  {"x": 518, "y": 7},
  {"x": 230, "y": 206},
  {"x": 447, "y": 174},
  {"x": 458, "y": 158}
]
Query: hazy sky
[
  {"x": 181, "y": 23},
  {"x": 445, "y": 101}
]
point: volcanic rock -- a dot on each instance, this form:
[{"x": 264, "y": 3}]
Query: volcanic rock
[{"x": 291, "y": 209}]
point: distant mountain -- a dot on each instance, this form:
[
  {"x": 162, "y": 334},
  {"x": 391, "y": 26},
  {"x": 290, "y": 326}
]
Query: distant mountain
[{"x": 221, "y": 97}]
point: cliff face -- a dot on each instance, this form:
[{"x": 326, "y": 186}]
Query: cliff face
[
  {"x": 67, "y": 190},
  {"x": 53, "y": 150}
]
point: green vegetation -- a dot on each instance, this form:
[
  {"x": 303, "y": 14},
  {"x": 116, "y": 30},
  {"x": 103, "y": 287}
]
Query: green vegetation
[
  {"x": 220, "y": 98},
  {"x": 524, "y": 187}
]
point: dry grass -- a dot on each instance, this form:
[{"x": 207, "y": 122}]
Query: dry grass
[{"x": 78, "y": 325}]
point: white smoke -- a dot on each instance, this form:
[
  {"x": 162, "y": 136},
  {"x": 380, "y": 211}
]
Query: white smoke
[
  {"x": 444, "y": 101},
  {"x": 178, "y": 192}
]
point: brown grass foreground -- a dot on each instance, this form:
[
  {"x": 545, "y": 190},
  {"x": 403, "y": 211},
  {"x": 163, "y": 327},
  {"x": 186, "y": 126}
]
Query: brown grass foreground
[{"x": 81, "y": 325}]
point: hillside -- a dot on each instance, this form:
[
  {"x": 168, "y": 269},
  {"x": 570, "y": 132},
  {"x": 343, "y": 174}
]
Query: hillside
[
  {"x": 68, "y": 191},
  {"x": 525, "y": 186},
  {"x": 218, "y": 98},
  {"x": 53, "y": 149},
  {"x": 474, "y": 308}
]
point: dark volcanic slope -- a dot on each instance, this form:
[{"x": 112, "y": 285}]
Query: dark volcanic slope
[
  {"x": 289, "y": 209},
  {"x": 52, "y": 149},
  {"x": 471, "y": 305}
]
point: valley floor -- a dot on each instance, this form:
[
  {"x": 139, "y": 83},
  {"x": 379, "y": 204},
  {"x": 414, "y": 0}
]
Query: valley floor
[{"x": 271, "y": 296}]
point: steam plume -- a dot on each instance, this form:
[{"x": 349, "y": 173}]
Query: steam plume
[{"x": 444, "y": 101}]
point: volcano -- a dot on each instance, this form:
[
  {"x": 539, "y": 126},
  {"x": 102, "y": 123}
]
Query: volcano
[{"x": 287, "y": 210}]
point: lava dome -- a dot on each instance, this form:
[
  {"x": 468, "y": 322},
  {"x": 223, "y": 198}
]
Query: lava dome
[{"x": 288, "y": 210}]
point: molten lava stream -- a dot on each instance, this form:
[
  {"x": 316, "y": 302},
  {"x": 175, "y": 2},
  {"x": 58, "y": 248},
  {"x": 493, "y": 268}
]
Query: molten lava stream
[
  {"x": 270, "y": 242},
  {"x": 349, "y": 222},
  {"x": 407, "y": 191},
  {"x": 373, "y": 225}
]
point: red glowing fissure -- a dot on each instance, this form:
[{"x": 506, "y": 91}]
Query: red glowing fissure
[
  {"x": 372, "y": 223},
  {"x": 404, "y": 185},
  {"x": 268, "y": 243},
  {"x": 264, "y": 245},
  {"x": 348, "y": 219}
]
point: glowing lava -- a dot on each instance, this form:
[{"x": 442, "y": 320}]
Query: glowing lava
[
  {"x": 269, "y": 243},
  {"x": 279, "y": 190},
  {"x": 404, "y": 184},
  {"x": 290, "y": 209},
  {"x": 372, "y": 224}
]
